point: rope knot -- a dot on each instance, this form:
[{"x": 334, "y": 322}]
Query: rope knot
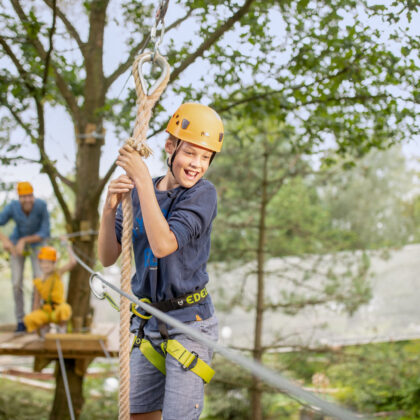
[{"x": 140, "y": 146}]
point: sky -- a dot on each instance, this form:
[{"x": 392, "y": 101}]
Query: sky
[{"x": 60, "y": 137}]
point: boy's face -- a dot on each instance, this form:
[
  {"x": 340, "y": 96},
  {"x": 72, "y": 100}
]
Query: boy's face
[
  {"x": 46, "y": 266},
  {"x": 191, "y": 162}
]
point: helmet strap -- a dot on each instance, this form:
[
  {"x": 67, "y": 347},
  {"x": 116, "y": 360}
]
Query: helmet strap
[{"x": 170, "y": 160}]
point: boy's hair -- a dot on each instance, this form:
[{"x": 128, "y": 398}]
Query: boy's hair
[{"x": 177, "y": 143}]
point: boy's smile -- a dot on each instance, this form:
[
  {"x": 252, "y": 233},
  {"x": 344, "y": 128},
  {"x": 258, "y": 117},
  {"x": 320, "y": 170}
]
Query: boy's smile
[{"x": 190, "y": 164}]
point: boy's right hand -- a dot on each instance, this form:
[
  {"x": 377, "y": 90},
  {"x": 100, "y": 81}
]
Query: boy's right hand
[{"x": 116, "y": 189}]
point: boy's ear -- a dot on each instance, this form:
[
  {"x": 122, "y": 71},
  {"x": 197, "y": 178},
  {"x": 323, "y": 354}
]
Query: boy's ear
[{"x": 170, "y": 145}]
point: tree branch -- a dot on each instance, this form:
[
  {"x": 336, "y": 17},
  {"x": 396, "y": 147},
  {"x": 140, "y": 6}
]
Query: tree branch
[
  {"x": 135, "y": 51},
  {"x": 50, "y": 48},
  {"x": 126, "y": 64},
  {"x": 66, "y": 92},
  {"x": 47, "y": 165},
  {"x": 70, "y": 28},
  {"x": 104, "y": 180},
  {"x": 22, "y": 124},
  {"x": 212, "y": 39},
  {"x": 7, "y": 160},
  {"x": 28, "y": 83},
  {"x": 22, "y": 72}
]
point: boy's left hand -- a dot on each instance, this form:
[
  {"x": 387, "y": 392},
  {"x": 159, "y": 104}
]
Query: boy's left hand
[{"x": 133, "y": 164}]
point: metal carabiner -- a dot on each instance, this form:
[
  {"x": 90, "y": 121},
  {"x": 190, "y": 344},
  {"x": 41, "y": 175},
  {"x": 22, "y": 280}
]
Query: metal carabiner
[
  {"x": 97, "y": 287},
  {"x": 159, "y": 17},
  {"x": 163, "y": 64}
]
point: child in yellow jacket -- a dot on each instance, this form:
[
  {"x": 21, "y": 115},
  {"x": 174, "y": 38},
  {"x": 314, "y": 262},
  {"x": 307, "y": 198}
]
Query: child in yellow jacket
[{"x": 49, "y": 300}]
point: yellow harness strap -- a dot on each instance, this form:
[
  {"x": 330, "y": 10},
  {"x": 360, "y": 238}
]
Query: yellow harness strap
[
  {"x": 189, "y": 360},
  {"x": 153, "y": 356}
]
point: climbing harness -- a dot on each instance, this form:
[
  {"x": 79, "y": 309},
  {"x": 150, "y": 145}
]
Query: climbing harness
[
  {"x": 48, "y": 305},
  {"x": 188, "y": 360}
]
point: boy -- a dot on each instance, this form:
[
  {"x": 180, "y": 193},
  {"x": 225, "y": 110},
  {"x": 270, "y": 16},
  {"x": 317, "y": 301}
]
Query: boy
[
  {"x": 32, "y": 227},
  {"x": 172, "y": 218},
  {"x": 49, "y": 301}
]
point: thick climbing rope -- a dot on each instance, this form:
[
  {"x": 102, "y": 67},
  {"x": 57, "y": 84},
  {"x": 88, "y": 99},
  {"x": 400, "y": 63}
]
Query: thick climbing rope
[{"x": 145, "y": 103}]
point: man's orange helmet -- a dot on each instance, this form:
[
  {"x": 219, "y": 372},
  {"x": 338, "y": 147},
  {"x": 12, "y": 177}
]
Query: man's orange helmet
[
  {"x": 47, "y": 253},
  {"x": 197, "y": 124},
  {"x": 24, "y": 188}
]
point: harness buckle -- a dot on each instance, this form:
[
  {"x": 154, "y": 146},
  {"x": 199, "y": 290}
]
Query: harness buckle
[{"x": 193, "y": 363}]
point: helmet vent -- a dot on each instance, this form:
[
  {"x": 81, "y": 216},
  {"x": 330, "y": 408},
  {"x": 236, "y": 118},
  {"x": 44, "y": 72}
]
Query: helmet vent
[
  {"x": 185, "y": 123},
  {"x": 220, "y": 137}
]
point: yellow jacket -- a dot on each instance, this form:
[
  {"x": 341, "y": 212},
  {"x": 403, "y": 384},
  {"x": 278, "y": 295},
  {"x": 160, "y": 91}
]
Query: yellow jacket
[{"x": 51, "y": 290}]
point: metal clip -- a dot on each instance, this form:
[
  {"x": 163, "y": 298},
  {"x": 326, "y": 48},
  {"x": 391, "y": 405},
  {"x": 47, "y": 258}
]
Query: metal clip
[
  {"x": 162, "y": 63},
  {"x": 97, "y": 287},
  {"x": 159, "y": 17}
]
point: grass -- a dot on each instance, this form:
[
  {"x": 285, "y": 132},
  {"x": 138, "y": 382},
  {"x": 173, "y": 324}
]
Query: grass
[{"x": 23, "y": 402}]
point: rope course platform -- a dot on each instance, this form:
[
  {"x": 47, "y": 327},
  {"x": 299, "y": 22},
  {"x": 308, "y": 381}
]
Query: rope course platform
[{"x": 101, "y": 341}]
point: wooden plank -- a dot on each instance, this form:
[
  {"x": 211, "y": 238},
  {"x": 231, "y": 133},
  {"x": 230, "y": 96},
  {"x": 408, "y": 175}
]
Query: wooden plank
[
  {"x": 75, "y": 341},
  {"x": 41, "y": 362},
  {"x": 74, "y": 346},
  {"x": 7, "y": 327},
  {"x": 82, "y": 366}
]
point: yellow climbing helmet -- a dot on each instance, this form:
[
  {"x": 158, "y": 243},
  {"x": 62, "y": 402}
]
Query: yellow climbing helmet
[
  {"x": 47, "y": 253},
  {"x": 24, "y": 188},
  {"x": 197, "y": 124}
]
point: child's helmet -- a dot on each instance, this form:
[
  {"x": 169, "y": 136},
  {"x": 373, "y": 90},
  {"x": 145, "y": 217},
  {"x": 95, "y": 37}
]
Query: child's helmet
[
  {"x": 47, "y": 253},
  {"x": 197, "y": 124},
  {"x": 24, "y": 188}
]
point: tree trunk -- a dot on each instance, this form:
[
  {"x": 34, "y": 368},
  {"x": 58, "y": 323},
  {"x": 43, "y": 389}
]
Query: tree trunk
[
  {"x": 85, "y": 217},
  {"x": 256, "y": 393},
  {"x": 60, "y": 408},
  {"x": 87, "y": 200}
]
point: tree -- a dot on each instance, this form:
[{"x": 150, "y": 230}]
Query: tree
[
  {"x": 315, "y": 72},
  {"x": 266, "y": 211},
  {"x": 369, "y": 200}
]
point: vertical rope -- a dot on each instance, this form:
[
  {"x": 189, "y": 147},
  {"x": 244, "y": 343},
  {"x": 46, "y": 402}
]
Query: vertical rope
[{"x": 145, "y": 105}]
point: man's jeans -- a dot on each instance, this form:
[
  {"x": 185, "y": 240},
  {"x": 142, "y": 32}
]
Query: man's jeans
[{"x": 17, "y": 263}]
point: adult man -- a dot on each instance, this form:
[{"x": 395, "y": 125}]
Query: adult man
[{"x": 32, "y": 228}]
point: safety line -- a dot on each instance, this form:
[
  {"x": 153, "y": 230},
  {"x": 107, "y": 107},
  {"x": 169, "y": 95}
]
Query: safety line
[
  {"x": 75, "y": 234},
  {"x": 256, "y": 368},
  {"x": 106, "y": 352},
  {"x": 65, "y": 381}
]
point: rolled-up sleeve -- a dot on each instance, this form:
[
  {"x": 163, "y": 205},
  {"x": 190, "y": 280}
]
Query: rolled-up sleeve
[
  {"x": 44, "y": 229},
  {"x": 6, "y": 214},
  {"x": 194, "y": 213}
]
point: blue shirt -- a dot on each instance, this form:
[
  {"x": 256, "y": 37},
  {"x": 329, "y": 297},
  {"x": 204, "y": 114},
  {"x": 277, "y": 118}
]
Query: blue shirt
[
  {"x": 37, "y": 222},
  {"x": 191, "y": 215}
]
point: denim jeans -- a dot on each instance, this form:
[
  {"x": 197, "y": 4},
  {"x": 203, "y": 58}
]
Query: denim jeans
[
  {"x": 179, "y": 394},
  {"x": 17, "y": 264}
]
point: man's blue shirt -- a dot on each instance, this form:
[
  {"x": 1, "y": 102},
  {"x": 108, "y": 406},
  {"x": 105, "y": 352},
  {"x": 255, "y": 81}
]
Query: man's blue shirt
[
  {"x": 191, "y": 215},
  {"x": 37, "y": 222}
]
